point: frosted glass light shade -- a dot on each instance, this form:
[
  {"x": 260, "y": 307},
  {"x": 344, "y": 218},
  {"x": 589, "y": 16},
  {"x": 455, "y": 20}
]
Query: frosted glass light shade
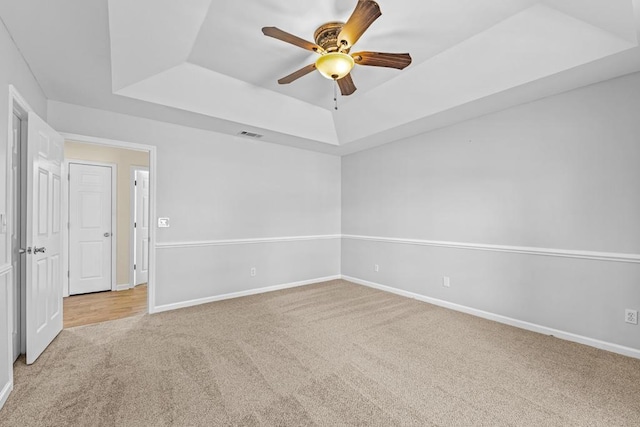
[{"x": 335, "y": 65}]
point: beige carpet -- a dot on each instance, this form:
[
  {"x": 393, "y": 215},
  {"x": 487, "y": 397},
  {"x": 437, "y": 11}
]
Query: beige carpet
[{"x": 327, "y": 354}]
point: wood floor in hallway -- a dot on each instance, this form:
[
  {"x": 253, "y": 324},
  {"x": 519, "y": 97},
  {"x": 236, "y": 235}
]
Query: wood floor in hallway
[{"x": 102, "y": 306}]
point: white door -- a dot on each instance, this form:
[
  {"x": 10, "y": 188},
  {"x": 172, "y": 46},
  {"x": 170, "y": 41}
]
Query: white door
[
  {"x": 90, "y": 232},
  {"x": 44, "y": 238},
  {"x": 141, "y": 265}
]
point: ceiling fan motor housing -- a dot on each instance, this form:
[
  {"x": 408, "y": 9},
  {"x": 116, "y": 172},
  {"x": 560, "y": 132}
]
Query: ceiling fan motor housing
[{"x": 326, "y": 36}]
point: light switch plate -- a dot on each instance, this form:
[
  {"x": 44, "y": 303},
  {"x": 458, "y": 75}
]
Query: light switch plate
[{"x": 163, "y": 222}]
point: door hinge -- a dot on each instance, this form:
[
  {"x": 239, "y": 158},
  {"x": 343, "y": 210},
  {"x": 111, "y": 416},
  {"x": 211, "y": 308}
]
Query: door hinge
[
  {"x": 134, "y": 266},
  {"x": 135, "y": 182},
  {"x": 135, "y": 225},
  {"x": 68, "y": 274}
]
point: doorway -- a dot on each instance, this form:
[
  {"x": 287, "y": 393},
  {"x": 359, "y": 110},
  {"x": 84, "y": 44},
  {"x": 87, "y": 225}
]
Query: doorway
[
  {"x": 18, "y": 229},
  {"x": 101, "y": 214}
]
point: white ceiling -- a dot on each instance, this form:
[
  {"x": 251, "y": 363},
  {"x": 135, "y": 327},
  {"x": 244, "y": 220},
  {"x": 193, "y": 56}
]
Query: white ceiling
[{"x": 206, "y": 64}]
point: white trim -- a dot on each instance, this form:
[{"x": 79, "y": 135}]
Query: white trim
[
  {"x": 153, "y": 173},
  {"x": 199, "y": 244},
  {"x": 564, "y": 253},
  {"x": 8, "y": 294},
  {"x": 108, "y": 142},
  {"x": 23, "y": 110},
  {"x": 114, "y": 219},
  {"x": 123, "y": 287},
  {"x": 64, "y": 207},
  {"x": 14, "y": 95},
  {"x": 568, "y": 336},
  {"x": 6, "y": 269},
  {"x": 191, "y": 303},
  {"x": 6, "y": 391}
]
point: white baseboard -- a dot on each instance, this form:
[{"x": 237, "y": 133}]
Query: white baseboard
[
  {"x": 568, "y": 336},
  {"x": 190, "y": 303},
  {"x": 123, "y": 287},
  {"x": 6, "y": 391}
]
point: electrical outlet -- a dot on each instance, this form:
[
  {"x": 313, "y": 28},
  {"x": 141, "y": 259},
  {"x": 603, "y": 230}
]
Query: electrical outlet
[
  {"x": 631, "y": 316},
  {"x": 376, "y": 268},
  {"x": 253, "y": 272},
  {"x": 446, "y": 282}
]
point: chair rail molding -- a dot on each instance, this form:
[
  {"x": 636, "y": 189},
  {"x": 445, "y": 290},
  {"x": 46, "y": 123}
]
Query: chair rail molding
[
  {"x": 563, "y": 253},
  {"x": 227, "y": 242}
]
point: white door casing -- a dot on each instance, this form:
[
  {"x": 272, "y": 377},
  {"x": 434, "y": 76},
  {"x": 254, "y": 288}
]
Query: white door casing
[
  {"x": 152, "y": 152},
  {"x": 90, "y": 228},
  {"x": 45, "y": 154},
  {"x": 142, "y": 227},
  {"x": 15, "y": 234}
]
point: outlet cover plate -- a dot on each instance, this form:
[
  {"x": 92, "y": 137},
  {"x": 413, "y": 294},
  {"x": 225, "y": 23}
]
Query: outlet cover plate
[{"x": 631, "y": 316}]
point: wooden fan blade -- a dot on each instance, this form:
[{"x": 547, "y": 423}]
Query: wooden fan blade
[
  {"x": 364, "y": 14},
  {"x": 297, "y": 74},
  {"x": 379, "y": 59},
  {"x": 277, "y": 33},
  {"x": 346, "y": 85}
]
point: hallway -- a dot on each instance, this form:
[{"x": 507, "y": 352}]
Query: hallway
[{"x": 103, "y": 306}]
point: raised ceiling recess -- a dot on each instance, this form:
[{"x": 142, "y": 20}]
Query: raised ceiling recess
[{"x": 208, "y": 64}]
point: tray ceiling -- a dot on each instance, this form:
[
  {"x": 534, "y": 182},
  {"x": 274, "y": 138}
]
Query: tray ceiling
[{"x": 210, "y": 59}]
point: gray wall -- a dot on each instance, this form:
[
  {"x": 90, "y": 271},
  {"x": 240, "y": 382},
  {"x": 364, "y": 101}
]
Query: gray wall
[
  {"x": 219, "y": 187},
  {"x": 559, "y": 173}
]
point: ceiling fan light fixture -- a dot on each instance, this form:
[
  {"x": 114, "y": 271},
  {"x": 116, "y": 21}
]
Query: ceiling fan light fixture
[{"x": 335, "y": 65}]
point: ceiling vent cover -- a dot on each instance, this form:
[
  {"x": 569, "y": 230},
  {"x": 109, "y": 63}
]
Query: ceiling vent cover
[{"x": 250, "y": 134}]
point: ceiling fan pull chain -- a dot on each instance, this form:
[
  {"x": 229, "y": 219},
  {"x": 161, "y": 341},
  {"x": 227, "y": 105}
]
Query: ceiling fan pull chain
[{"x": 335, "y": 93}]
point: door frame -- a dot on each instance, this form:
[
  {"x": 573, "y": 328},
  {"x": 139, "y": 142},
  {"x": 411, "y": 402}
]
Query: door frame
[
  {"x": 132, "y": 219},
  {"x": 16, "y": 103},
  {"x": 18, "y": 276},
  {"x": 152, "y": 151},
  {"x": 65, "y": 219}
]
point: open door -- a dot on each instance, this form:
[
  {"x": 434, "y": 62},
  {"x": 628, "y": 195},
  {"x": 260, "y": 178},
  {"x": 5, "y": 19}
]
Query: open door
[
  {"x": 142, "y": 227},
  {"x": 44, "y": 236}
]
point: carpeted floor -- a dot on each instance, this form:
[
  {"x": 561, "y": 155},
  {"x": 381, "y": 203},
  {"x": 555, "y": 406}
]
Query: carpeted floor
[{"x": 327, "y": 354}]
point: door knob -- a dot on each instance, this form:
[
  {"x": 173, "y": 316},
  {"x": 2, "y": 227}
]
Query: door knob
[
  {"x": 107, "y": 234},
  {"x": 36, "y": 250}
]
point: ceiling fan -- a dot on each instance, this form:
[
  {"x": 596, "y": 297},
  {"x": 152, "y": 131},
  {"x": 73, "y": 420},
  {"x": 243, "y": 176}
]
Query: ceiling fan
[{"x": 333, "y": 41}]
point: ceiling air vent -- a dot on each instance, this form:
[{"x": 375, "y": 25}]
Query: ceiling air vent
[{"x": 250, "y": 134}]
